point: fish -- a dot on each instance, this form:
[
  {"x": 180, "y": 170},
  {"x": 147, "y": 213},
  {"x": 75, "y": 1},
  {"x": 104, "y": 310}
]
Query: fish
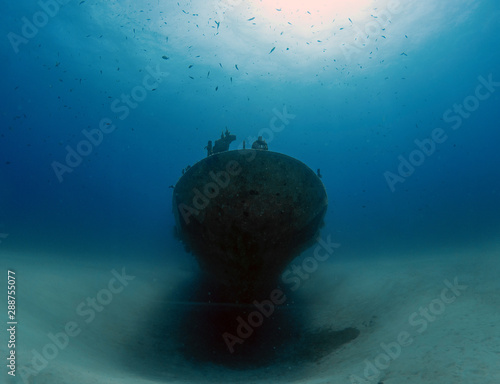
[
  {"x": 253, "y": 18},
  {"x": 191, "y": 66},
  {"x": 216, "y": 88},
  {"x": 403, "y": 54},
  {"x": 218, "y": 23},
  {"x": 349, "y": 19},
  {"x": 231, "y": 79},
  {"x": 383, "y": 36},
  {"x": 164, "y": 57},
  {"x": 272, "y": 50},
  {"x": 208, "y": 74},
  {"x": 236, "y": 66},
  {"x": 220, "y": 65}
]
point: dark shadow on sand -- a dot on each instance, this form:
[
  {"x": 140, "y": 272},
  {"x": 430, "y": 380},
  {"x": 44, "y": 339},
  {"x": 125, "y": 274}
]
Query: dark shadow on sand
[{"x": 184, "y": 337}]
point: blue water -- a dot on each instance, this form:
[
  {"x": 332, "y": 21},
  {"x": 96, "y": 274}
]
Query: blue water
[{"x": 362, "y": 86}]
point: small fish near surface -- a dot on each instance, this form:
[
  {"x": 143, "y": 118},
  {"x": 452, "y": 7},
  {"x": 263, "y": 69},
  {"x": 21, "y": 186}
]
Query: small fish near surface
[{"x": 272, "y": 50}]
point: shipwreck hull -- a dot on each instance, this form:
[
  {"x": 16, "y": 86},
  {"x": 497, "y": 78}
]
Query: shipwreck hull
[{"x": 245, "y": 215}]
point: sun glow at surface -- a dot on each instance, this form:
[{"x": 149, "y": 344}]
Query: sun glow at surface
[{"x": 305, "y": 14}]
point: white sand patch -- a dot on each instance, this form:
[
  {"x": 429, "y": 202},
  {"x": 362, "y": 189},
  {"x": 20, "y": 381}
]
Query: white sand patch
[{"x": 432, "y": 320}]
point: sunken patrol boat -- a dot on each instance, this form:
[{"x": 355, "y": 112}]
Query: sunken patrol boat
[{"x": 245, "y": 214}]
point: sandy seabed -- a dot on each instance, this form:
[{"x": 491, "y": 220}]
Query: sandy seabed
[{"x": 431, "y": 318}]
